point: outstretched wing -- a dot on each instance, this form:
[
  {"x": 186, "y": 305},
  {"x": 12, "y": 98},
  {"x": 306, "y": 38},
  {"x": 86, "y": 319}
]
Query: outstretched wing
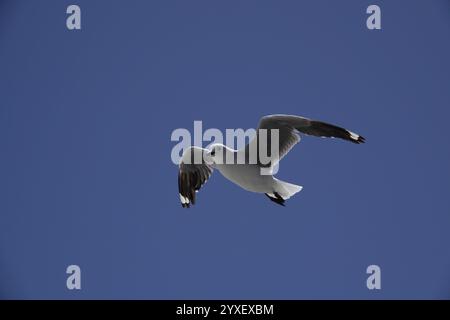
[
  {"x": 289, "y": 126},
  {"x": 192, "y": 174}
]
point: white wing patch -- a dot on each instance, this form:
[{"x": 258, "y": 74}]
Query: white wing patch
[
  {"x": 184, "y": 200},
  {"x": 354, "y": 136}
]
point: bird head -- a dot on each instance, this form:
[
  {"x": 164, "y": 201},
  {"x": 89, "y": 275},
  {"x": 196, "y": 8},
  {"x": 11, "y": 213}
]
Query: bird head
[{"x": 218, "y": 153}]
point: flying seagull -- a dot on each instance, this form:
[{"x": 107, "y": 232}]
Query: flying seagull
[{"x": 192, "y": 175}]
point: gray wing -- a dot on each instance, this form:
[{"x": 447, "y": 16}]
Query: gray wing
[
  {"x": 290, "y": 126},
  {"x": 192, "y": 174}
]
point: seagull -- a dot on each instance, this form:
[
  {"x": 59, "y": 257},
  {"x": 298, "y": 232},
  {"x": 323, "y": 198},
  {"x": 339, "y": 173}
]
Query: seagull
[{"x": 248, "y": 175}]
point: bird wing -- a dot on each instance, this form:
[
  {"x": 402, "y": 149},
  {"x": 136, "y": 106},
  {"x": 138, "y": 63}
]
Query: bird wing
[
  {"x": 192, "y": 174},
  {"x": 289, "y": 127}
]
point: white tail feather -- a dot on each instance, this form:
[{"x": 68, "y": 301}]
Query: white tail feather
[{"x": 286, "y": 189}]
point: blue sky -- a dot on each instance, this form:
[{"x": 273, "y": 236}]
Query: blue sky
[{"x": 86, "y": 176}]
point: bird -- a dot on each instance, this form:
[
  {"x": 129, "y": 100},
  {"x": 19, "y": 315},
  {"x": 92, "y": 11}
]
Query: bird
[{"x": 247, "y": 174}]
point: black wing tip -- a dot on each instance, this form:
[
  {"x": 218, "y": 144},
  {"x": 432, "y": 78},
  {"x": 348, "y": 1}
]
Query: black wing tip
[
  {"x": 356, "y": 138},
  {"x": 360, "y": 140},
  {"x": 187, "y": 204},
  {"x": 187, "y": 200},
  {"x": 278, "y": 200}
]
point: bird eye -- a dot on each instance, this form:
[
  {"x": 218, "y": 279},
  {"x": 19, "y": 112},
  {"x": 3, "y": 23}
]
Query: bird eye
[{"x": 213, "y": 152}]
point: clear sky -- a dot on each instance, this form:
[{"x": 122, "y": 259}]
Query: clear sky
[{"x": 86, "y": 176}]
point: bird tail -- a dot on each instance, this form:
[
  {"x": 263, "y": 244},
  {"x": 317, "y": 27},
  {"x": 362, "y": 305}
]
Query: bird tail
[{"x": 286, "y": 189}]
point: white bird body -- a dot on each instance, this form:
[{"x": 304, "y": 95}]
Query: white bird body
[{"x": 249, "y": 177}]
